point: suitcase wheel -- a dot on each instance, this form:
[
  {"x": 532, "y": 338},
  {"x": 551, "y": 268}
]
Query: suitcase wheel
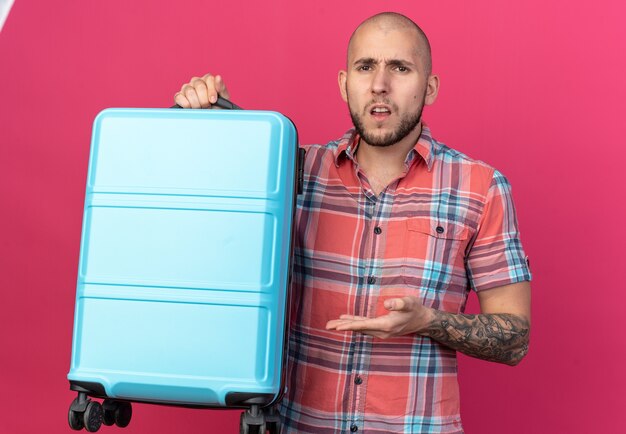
[
  {"x": 116, "y": 413},
  {"x": 273, "y": 427},
  {"x": 108, "y": 412},
  {"x": 272, "y": 421},
  {"x": 88, "y": 414},
  {"x": 92, "y": 418},
  {"x": 75, "y": 418},
  {"x": 251, "y": 428}
]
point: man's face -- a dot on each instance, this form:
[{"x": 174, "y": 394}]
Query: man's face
[{"x": 385, "y": 85}]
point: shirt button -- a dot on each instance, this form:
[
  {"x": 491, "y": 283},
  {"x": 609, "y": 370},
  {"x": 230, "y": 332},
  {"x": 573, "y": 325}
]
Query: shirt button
[
  {"x": 439, "y": 229},
  {"x": 358, "y": 380},
  {"x": 377, "y": 230},
  {"x": 354, "y": 428},
  {"x": 371, "y": 280}
]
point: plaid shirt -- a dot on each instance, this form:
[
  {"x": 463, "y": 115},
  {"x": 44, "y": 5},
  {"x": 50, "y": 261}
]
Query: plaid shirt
[{"x": 446, "y": 225}]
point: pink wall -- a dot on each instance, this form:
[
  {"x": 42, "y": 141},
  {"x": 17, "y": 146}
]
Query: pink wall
[{"x": 535, "y": 88}]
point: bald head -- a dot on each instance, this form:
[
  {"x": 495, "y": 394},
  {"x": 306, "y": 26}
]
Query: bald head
[{"x": 391, "y": 21}]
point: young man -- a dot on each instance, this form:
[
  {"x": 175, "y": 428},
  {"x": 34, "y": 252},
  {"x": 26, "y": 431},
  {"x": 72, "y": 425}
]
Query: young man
[{"x": 393, "y": 230}]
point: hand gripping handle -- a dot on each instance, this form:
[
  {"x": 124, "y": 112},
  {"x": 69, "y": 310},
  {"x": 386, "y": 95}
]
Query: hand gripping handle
[{"x": 221, "y": 102}]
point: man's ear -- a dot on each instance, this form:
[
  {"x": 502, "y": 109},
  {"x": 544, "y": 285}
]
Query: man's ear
[
  {"x": 432, "y": 89},
  {"x": 342, "y": 79}
]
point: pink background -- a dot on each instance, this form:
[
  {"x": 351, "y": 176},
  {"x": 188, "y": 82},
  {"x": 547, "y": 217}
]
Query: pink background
[{"x": 534, "y": 87}]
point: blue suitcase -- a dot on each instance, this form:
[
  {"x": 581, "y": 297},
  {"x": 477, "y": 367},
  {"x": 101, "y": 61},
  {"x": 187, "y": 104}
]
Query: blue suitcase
[{"x": 184, "y": 265}]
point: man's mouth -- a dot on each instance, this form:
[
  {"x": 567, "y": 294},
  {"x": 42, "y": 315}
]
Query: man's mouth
[{"x": 380, "y": 112}]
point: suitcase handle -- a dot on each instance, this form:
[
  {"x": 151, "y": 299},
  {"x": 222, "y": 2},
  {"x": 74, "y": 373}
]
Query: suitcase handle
[{"x": 221, "y": 102}]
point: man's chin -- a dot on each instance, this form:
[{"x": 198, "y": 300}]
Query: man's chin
[{"x": 378, "y": 138}]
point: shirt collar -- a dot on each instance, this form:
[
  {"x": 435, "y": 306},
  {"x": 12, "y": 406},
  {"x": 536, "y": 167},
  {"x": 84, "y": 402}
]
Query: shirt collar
[{"x": 425, "y": 148}]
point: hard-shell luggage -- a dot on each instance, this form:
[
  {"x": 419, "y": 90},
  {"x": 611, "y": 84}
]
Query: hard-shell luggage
[{"x": 184, "y": 264}]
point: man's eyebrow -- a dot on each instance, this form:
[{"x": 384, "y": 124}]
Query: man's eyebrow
[
  {"x": 392, "y": 62},
  {"x": 365, "y": 61},
  {"x": 399, "y": 62}
]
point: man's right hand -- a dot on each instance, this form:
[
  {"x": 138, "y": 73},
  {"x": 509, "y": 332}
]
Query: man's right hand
[{"x": 201, "y": 92}]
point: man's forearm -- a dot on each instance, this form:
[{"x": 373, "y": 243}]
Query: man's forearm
[{"x": 500, "y": 337}]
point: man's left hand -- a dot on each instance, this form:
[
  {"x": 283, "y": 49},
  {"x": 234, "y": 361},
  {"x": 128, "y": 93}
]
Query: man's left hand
[{"x": 406, "y": 315}]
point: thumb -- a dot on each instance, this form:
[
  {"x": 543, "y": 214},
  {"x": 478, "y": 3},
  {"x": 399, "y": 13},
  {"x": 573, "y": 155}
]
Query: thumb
[
  {"x": 221, "y": 87},
  {"x": 403, "y": 304}
]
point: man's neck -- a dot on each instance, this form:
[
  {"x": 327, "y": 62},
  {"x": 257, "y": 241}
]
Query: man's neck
[
  {"x": 390, "y": 157},
  {"x": 384, "y": 164}
]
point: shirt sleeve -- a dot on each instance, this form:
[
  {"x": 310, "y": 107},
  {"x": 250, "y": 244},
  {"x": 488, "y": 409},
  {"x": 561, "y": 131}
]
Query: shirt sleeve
[{"x": 496, "y": 256}]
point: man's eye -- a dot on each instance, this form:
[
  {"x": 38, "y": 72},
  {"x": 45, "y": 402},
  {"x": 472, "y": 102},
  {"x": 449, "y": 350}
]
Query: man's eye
[
  {"x": 402, "y": 68},
  {"x": 365, "y": 68}
]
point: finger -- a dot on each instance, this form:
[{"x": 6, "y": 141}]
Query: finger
[
  {"x": 333, "y": 324},
  {"x": 352, "y": 317},
  {"x": 220, "y": 86},
  {"x": 404, "y": 304},
  {"x": 366, "y": 325},
  {"x": 330, "y": 325},
  {"x": 394, "y": 304},
  {"x": 209, "y": 80},
  {"x": 180, "y": 99},
  {"x": 201, "y": 91},
  {"x": 190, "y": 93}
]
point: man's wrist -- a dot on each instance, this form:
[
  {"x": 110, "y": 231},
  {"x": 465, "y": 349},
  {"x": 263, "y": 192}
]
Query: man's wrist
[{"x": 426, "y": 321}]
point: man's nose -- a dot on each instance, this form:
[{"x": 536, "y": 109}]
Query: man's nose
[{"x": 380, "y": 81}]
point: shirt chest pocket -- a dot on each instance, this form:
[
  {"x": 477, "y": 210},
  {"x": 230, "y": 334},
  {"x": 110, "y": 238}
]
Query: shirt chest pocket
[{"x": 434, "y": 253}]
